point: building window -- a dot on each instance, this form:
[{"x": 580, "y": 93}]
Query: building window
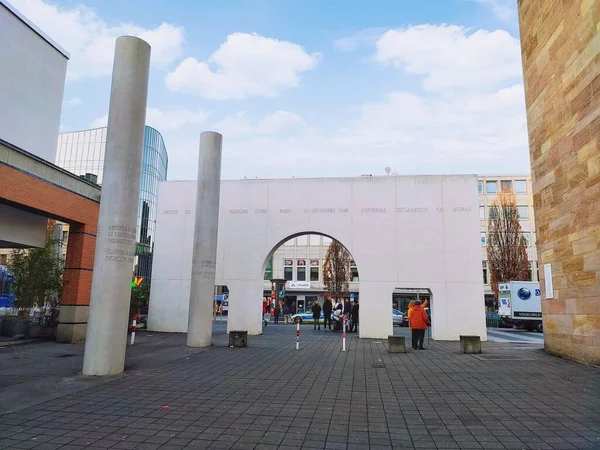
[
  {"x": 483, "y": 239},
  {"x": 314, "y": 270},
  {"x": 301, "y": 274},
  {"x": 290, "y": 242},
  {"x": 302, "y": 240},
  {"x": 530, "y": 270},
  {"x": 491, "y": 187},
  {"x": 485, "y": 272},
  {"x": 521, "y": 187},
  {"x": 523, "y": 212},
  {"x": 482, "y": 213},
  {"x": 315, "y": 239},
  {"x": 527, "y": 237},
  {"x": 493, "y": 212},
  {"x": 506, "y": 185},
  {"x": 480, "y": 187},
  {"x": 537, "y": 270},
  {"x": 326, "y": 241},
  {"x": 534, "y": 239},
  {"x": 354, "y": 271},
  {"x": 288, "y": 273}
]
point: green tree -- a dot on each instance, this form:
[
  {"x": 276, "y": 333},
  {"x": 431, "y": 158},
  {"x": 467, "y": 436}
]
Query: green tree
[
  {"x": 506, "y": 245},
  {"x": 336, "y": 271},
  {"x": 139, "y": 298},
  {"x": 37, "y": 274}
]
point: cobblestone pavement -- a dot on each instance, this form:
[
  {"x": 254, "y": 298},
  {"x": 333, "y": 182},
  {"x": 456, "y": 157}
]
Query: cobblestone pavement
[{"x": 270, "y": 396}]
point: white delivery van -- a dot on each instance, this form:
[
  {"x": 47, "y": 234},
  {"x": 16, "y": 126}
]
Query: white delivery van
[{"x": 520, "y": 302}]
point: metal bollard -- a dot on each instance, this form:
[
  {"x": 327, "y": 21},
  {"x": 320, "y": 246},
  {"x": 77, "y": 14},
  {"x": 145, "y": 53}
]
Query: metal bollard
[
  {"x": 344, "y": 333},
  {"x": 297, "y": 333},
  {"x": 133, "y": 327}
]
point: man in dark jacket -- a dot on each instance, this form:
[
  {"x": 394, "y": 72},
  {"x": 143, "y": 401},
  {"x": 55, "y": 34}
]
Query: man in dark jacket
[
  {"x": 316, "y": 311},
  {"x": 327, "y": 308},
  {"x": 354, "y": 317}
]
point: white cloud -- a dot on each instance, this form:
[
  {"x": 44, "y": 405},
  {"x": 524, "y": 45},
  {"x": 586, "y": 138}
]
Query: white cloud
[
  {"x": 362, "y": 38},
  {"x": 241, "y": 125},
  {"x": 166, "y": 120},
  {"x": 502, "y": 9},
  {"x": 91, "y": 41},
  {"x": 75, "y": 101},
  {"x": 451, "y": 57},
  {"x": 245, "y": 65},
  {"x": 278, "y": 122},
  {"x": 442, "y": 134}
]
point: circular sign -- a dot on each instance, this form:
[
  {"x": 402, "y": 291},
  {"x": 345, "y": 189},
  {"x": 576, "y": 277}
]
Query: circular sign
[{"x": 524, "y": 293}]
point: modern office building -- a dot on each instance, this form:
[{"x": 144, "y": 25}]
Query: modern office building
[
  {"x": 82, "y": 153},
  {"x": 300, "y": 260},
  {"x": 32, "y": 188}
]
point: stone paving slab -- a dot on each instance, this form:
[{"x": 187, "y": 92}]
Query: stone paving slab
[{"x": 270, "y": 396}]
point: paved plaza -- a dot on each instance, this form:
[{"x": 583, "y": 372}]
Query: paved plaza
[{"x": 270, "y": 396}]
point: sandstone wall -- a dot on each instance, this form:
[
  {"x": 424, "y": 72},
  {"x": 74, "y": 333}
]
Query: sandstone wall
[{"x": 560, "y": 42}]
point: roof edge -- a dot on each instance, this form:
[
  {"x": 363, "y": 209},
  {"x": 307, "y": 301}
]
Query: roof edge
[{"x": 35, "y": 28}]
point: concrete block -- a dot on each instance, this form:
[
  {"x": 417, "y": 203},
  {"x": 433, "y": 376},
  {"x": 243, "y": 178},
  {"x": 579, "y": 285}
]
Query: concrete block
[
  {"x": 470, "y": 344},
  {"x": 71, "y": 333},
  {"x": 238, "y": 339},
  {"x": 396, "y": 344}
]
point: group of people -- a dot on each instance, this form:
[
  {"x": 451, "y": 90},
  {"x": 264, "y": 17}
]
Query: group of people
[{"x": 335, "y": 314}]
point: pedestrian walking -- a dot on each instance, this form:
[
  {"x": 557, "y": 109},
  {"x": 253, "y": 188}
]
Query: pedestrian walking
[
  {"x": 327, "y": 309},
  {"x": 276, "y": 315},
  {"x": 286, "y": 315},
  {"x": 316, "y": 312},
  {"x": 418, "y": 322},
  {"x": 354, "y": 317},
  {"x": 347, "y": 311}
]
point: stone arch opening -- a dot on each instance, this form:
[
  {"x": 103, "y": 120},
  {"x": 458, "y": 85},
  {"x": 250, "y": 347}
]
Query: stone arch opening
[{"x": 294, "y": 274}]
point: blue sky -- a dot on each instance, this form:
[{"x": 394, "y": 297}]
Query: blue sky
[{"x": 309, "y": 88}]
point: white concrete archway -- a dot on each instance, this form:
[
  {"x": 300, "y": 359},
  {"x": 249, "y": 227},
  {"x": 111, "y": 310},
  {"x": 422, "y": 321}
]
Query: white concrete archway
[{"x": 401, "y": 231}]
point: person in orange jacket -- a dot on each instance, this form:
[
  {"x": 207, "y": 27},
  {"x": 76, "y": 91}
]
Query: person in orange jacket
[
  {"x": 418, "y": 322},
  {"x": 411, "y": 305}
]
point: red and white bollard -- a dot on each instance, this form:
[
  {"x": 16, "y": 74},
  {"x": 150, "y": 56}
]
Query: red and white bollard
[
  {"x": 344, "y": 333},
  {"x": 298, "y": 333},
  {"x": 133, "y": 329}
]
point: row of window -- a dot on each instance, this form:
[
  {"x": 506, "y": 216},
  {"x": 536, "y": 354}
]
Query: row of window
[
  {"x": 533, "y": 265},
  {"x": 491, "y": 187},
  {"x": 522, "y": 210},
  {"x": 314, "y": 272},
  {"x": 309, "y": 239},
  {"x": 525, "y": 234}
]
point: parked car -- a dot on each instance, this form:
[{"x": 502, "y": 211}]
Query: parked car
[
  {"x": 494, "y": 320},
  {"x": 399, "y": 318},
  {"x": 307, "y": 318}
]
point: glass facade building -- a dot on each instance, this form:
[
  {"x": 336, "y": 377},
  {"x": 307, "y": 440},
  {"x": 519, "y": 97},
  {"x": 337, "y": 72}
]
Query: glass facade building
[{"x": 82, "y": 153}]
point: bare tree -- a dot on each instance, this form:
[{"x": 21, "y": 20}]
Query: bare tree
[
  {"x": 336, "y": 270},
  {"x": 506, "y": 245}
]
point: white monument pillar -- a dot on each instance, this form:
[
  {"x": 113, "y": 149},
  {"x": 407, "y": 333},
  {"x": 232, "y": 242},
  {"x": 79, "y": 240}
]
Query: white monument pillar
[
  {"x": 204, "y": 257},
  {"x": 106, "y": 338}
]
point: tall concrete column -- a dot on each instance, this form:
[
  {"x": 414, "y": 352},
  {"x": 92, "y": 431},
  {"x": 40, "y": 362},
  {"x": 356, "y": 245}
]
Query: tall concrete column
[
  {"x": 204, "y": 257},
  {"x": 117, "y": 224}
]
